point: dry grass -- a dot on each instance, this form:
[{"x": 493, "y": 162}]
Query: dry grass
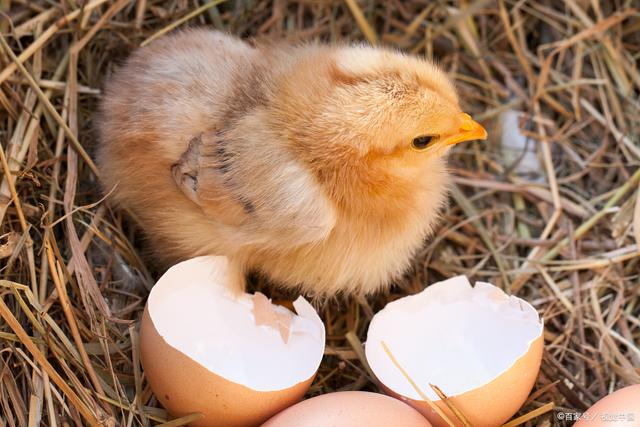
[{"x": 565, "y": 237}]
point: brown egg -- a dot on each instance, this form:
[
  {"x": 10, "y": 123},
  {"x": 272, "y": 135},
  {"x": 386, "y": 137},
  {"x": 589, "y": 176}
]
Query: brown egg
[
  {"x": 349, "y": 409},
  {"x": 619, "y": 409},
  {"x": 237, "y": 359},
  {"x": 479, "y": 346}
]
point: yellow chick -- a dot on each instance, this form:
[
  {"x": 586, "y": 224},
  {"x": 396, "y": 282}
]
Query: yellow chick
[{"x": 323, "y": 167}]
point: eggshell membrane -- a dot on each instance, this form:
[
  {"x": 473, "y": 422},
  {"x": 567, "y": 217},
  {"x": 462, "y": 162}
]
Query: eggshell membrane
[
  {"x": 349, "y": 409},
  {"x": 619, "y": 409},
  {"x": 185, "y": 385},
  {"x": 485, "y": 403}
]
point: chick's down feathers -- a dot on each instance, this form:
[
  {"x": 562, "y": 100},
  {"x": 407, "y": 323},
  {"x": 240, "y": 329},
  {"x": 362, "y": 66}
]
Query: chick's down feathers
[{"x": 321, "y": 166}]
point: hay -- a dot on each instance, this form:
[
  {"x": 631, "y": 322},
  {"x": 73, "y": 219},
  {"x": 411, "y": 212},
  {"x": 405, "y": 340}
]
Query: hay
[{"x": 563, "y": 234}]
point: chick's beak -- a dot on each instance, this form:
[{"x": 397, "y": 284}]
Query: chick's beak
[{"x": 468, "y": 130}]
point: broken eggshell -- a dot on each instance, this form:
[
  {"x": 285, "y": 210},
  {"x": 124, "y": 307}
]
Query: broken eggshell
[
  {"x": 479, "y": 346},
  {"x": 237, "y": 359}
]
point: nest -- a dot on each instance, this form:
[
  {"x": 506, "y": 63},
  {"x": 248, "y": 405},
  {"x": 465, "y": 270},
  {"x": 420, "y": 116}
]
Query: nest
[{"x": 548, "y": 208}]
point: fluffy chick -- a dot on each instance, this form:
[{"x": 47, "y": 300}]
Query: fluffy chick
[{"x": 323, "y": 167}]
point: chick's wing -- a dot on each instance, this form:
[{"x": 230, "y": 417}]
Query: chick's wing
[{"x": 269, "y": 197}]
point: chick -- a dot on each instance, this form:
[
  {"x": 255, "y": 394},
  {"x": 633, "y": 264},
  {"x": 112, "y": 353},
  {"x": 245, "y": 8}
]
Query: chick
[{"x": 323, "y": 167}]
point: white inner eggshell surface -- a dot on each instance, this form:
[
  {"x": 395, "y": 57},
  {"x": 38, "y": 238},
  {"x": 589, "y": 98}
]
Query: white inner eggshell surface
[
  {"x": 196, "y": 314},
  {"x": 452, "y": 335}
]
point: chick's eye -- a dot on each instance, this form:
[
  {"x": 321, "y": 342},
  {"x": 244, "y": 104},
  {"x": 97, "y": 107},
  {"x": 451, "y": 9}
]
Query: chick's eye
[{"x": 423, "y": 142}]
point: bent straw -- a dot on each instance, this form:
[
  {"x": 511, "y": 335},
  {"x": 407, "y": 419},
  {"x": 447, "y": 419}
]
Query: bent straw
[{"x": 423, "y": 396}]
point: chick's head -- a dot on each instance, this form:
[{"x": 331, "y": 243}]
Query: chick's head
[{"x": 375, "y": 125}]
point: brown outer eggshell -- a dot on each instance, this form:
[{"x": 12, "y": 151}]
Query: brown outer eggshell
[
  {"x": 183, "y": 386},
  {"x": 495, "y": 402},
  {"x": 349, "y": 409},
  {"x": 619, "y": 409}
]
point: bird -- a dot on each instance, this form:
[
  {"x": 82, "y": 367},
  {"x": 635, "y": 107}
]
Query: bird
[{"x": 321, "y": 166}]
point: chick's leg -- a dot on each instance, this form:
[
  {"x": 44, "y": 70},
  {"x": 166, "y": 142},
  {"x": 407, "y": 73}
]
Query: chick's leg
[{"x": 235, "y": 279}]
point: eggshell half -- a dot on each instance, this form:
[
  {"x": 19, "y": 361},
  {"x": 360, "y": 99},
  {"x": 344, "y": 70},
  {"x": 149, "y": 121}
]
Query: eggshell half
[
  {"x": 481, "y": 347},
  {"x": 619, "y": 409},
  {"x": 203, "y": 349},
  {"x": 349, "y": 409}
]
